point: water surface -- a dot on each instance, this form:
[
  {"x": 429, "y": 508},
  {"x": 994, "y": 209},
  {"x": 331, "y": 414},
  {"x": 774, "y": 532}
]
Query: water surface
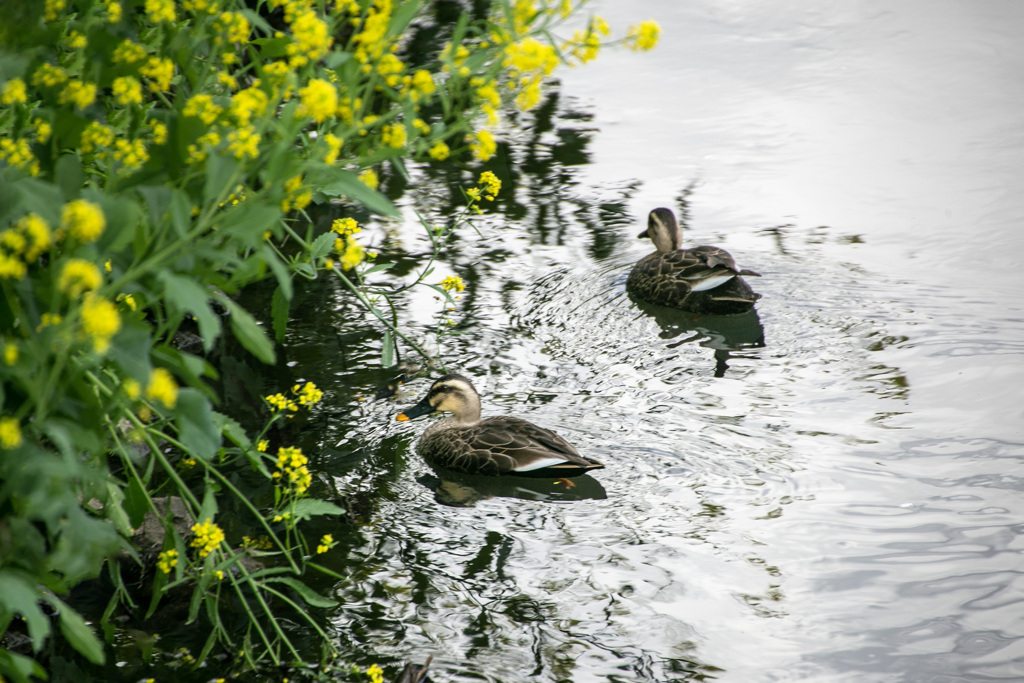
[{"x": 831, "y": 490}]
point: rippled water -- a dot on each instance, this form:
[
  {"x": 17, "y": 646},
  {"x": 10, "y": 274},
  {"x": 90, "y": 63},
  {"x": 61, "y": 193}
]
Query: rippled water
[{"x": 831, "y": 490}]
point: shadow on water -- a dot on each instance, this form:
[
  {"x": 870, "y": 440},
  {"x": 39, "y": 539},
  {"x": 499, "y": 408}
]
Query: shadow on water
[{"x": 465, "y": 490}]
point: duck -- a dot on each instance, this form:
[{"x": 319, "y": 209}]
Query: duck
[
  {"x": 699, "y": 280},
  {"x": 495, "y": 446}
]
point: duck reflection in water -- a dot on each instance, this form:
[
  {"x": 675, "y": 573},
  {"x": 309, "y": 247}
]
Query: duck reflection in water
[
  {"x": 493, "y": 447},
  {"x": 466, "y": 490},
  {"x": 725, "y": 334}
]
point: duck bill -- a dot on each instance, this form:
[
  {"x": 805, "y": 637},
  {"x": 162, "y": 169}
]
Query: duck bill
[
  {"x": 421, "y": 408},
  {"x": 643, "y": 235}
]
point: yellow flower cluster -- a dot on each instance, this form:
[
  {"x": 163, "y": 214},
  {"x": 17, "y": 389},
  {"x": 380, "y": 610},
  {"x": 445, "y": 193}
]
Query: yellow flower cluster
[
  {"x": 207, "y": 537},
  {"x": 644, "y": 36},
  {"x": 83, "y": 220},
  {"x": 453, "y": 283},
  {"x": 375, "y": 673},
  {"x": 159, "y": 71},
  {"x": 490, "y": 184},
  {"x": 13, "y": 92},
  {"x": 78, "y": 93},
  {"x": 232, "y": 27},
  {"x": 17, "y": 153},
  {"x": 127, "y": 90},
  {"x": 325, "y": 544},
  {"x": 296, "y": 196},
  {"x": 258, "y": 543},
  {"x": 311, "y": 37},
  {"x": 162, "y": 387},
  {"x": 318, "y": 100},
  {"x": 292, "y": 470},
  {"x": 100, "y": 320},
  {"x": 202, "y": 107},
  {"x": 78, "y": 276},
  {"x": 167, "y": 560},
  {"x": 158, "y": 11},
  {"x": 281, "y": 402},
  {"x": 394, "y": 135},
  {"x": 22, "y": 244},
  {"x": 309, "y": 394},
  {"x": 10, "y": 433}
]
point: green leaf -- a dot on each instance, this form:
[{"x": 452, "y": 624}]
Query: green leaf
[
  {"x": 77, "y": 632},
  {"x": 279, "y": 307},
  {"x": 387, "y": 353},
  {"x": 69, "y": 176},
  {"x": 306, "y": 508},
  {"x": 220, "y": 174},
  {"x": 249, "y": 333},
  {"x": 230, "y": 428},
  {"x": 43, "y": 198},
  {"x": 130, "y": 350},
  {"x": 157, "y": 200},
  {"x": 196, "y": 429},
  {"x": 136, "y": 503},
  {"x": 114, "y": 508},
  {"x": 322, "y": 245},
  {"x": 341, "y": 183},
  {"x": 20, "y": 596},
  {"x": 189, "y": 296},
  {"x": 19, "y": 668},
  {"x": 311, "y": 597}
]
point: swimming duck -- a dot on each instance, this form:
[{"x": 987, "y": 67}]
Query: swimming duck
[
  {"x": 494, "y": 446},
  {"x": 699, "y": 280}
]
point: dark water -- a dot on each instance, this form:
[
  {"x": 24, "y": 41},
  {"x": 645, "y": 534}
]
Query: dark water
[{"x": 831, "y": 490}]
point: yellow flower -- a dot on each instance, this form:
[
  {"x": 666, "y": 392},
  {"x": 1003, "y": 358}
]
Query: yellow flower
[
  {"x": 159, "y": 132},
  {"x": 159, "y": 71},
  {"x": 453, "y": 283},
  {"x": 13, "y": 92},
  {"x": 78, "y": 276},
  {"x": 491, "y": 184},
  {"x": 49, "y": 76},
  {"x": 43, "y": 129},
  {"x": 369, "y": 178},
  {"x": 19, "y": 154},
  {"x": 167, "y": 560},
  {"x": 319, "y": 100},
  {"x": 245, "y": 104},
  {"x": 37, "y": 230},
  {"x": 128, "y": 53},
  {"x": 83, "y": 219},
  {"x": 281, "y": 402},
  {"x": 345, "y": 226},
  {"x": 10, "y": 433},
  {"x": 160, "y": 11},
  {"x": 309, "y": 395},
  {"x": 261, "y": 446},
  {"x": 78, "y": 93},
  {"x": 352, "y": 255},
  {"x": 232, "y": 27},
  {"x": 207, "y": 537},
  {"x": 325, "y": 544},
  {"x": 202, "y": 107},
  {"x": 162, "y": 387},
  {"x": 333, "y": 148},
  {"x": 529, "y": 54},
  {"x": 10, "y": 354},
  {"x": 97, "y": 137},
  {"x": 244, "y": 142},
  {"x": 131, "y": 153},
  {"x": 132, "y": 389},
  {"x": 113, "y": 11},
  {"x": 52, "y": 9},
  {"x": 100, "y": 321},
  {"x": 483, "y": 145},
  {"x": 644, "y": 36},
  {"x": 394, "y": 135},
  {"x": 292, "y": 470},
  {"x": 312, "y": 39},
  {"x": 439, "y": 151},
  {"x": 129, "y": 301},
  {"x": 376, "y": 674},
  {"x": 422, "y": 84},
  {"x": 473, "y": 193}
]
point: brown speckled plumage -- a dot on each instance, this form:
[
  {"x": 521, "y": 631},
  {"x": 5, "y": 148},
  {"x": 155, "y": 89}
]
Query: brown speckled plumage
[
  {"x": 686, "y": 278},
  {"x": 494, "y": 446}
]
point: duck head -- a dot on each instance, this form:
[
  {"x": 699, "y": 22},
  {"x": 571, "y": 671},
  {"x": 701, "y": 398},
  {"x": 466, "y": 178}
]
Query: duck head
[
  {"x": 450, "y": 394},
  {"x": 664, "y": 230}
]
